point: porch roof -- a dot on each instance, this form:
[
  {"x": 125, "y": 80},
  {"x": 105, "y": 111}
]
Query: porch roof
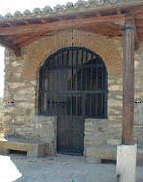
[{"x": 107, "y": 19}]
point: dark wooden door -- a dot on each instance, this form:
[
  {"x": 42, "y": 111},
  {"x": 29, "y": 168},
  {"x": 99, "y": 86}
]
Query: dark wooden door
[{"x": 70, "y": 139}]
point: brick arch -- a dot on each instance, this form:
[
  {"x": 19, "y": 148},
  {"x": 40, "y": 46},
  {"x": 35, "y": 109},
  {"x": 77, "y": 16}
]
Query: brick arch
[
  {"x": 109, "y": 50},
  {"x": 62, "y": 48}
]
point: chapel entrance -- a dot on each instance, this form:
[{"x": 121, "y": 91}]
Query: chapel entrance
[{"x": 73, "y": 86}]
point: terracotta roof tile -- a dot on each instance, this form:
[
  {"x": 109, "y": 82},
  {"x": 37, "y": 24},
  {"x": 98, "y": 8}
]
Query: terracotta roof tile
[{"x": 80, "y": 5}]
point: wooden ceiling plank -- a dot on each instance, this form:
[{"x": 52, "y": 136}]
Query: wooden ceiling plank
[
  {"x": 18, "y": 41},
  {"x": 30, "y": 37},
  {"x": 100, "y": 31},
  {"x": 26, "y": 37},
  {"x": 104, "y": 25},
  {"x": 60, "y": 25},
  {"x": 35, "y": 38}
]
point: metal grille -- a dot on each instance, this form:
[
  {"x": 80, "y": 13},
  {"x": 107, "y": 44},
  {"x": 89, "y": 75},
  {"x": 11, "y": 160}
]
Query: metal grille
[{"x": 73, "y": 82}]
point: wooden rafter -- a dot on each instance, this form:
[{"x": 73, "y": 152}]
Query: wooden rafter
[
  {"x": 25, "y": 34},
  {"x": 31, "y": 36},
  {"x": 34, "y": 38},
  {"x": 60, "y": 25}
]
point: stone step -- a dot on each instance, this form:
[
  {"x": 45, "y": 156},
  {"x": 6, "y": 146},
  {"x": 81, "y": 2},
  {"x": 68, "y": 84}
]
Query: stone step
[
  {"x": 33, "y": 148},
  {"x": 98, "y": 153}
]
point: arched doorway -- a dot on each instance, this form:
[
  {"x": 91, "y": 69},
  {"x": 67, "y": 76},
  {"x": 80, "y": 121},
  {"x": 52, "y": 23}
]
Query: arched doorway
[{"x": 73, "y": 86}]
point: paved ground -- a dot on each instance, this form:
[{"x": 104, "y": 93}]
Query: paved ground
[{"x": 62, "y": 168}]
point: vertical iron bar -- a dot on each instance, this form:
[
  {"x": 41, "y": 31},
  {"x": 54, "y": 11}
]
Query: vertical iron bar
[
  {"x": 90, "y": 104},
  {"x": 96, "y": 97},
  {"x": 102, "y": 94},
  {"x": 91, "y": 78},
  {"x": 86, "y": 72},
  {"x": 67, "y": 57},
  {"x": 92, "y": 74},
  {"x": 72, "y": 76},
  {"x": 81, "y": 70},
  {"x": 72, "y": 80},
  {"x": 40, "y": 91},
  {"x": 83, "y": 104},
  {"x": 62, "y": 58},
  {"x": 76, "y": 100},
  {"x": 43, "y": 89},
  {"x": 56, "y": 61},
  {"x": 76, "y": 81},
  {"x": 76, "y": 70},
  {"x": 86, "y": 58},
  {"x": 67, "y": 61},
  {"x": 82, "y": 57}
]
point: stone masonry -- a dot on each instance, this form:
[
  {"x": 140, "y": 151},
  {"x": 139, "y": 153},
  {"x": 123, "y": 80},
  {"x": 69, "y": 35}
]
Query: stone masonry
[{"x": 21, "y": 87}]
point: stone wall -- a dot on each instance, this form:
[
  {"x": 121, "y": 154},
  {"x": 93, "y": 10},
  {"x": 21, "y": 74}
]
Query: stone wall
[
  {"x": 21, "y": 85},
  {"x": 96, "y": 132},
  {"x": 115, "y": 86},
  {"x": 138, "y": 128}
]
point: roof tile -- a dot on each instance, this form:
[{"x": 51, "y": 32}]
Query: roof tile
[{"x": 80, "y": 5}]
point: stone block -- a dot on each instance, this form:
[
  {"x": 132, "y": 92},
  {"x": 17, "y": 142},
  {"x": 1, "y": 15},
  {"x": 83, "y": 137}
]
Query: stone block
[
  {"x": 18, "y": 75},
  {"x": 33, "y": 148},
  {"x": 34, "y": 82},
  {"x": 113, "y": 142},
  {"x": 114, "y": 103},
  {"x": 14, "y": 85},
  {"x": 101, "y": 152},
  {"x": 25, "y": 104},
  {"x": 88, "y": 123},
  {"x": 120, "y": 80},
  {"x": 111, "y": 81},
  {"x": 16, "y": 64},
  {"x": 24, "y": 97},
  {"x": 89, "y": 129},
  {"x": 119, "y": 96},
  {"x": 88, "y": 132},
  {"x": 29, "y": 91},
  {"x": 115, "y": 87}
]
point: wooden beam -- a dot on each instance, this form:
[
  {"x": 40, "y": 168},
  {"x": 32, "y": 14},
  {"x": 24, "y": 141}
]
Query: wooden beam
[
  {"x": 103, "y": 25},
  {"x": 60, "y": 25},
  {"x": 102, "y": 31},
  {"x": 31, "y": 36},
  {"x": 15, "y": 48},
  {"x": 34, "y": 38},
  {"x": 128, "y": 82}
]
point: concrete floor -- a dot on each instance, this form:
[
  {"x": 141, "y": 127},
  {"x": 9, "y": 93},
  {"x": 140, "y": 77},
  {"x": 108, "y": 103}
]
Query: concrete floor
[{"x": 61, "y": 168}]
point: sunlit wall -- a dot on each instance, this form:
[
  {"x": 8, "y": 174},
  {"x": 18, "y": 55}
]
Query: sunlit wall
[{"x": 1, "y": 71}]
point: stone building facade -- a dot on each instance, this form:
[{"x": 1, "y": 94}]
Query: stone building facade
[{"x": 22, "y": 88}]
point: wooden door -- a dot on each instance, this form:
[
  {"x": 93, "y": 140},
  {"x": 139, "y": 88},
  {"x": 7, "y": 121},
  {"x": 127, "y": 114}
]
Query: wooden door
[{"x": 70, "y": 136}]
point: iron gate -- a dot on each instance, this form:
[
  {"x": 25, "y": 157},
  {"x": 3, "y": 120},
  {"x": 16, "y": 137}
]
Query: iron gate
[{"x": 73, "y": 86}]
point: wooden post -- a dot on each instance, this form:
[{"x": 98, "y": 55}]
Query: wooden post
[{"x": 128, "y": 83}]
